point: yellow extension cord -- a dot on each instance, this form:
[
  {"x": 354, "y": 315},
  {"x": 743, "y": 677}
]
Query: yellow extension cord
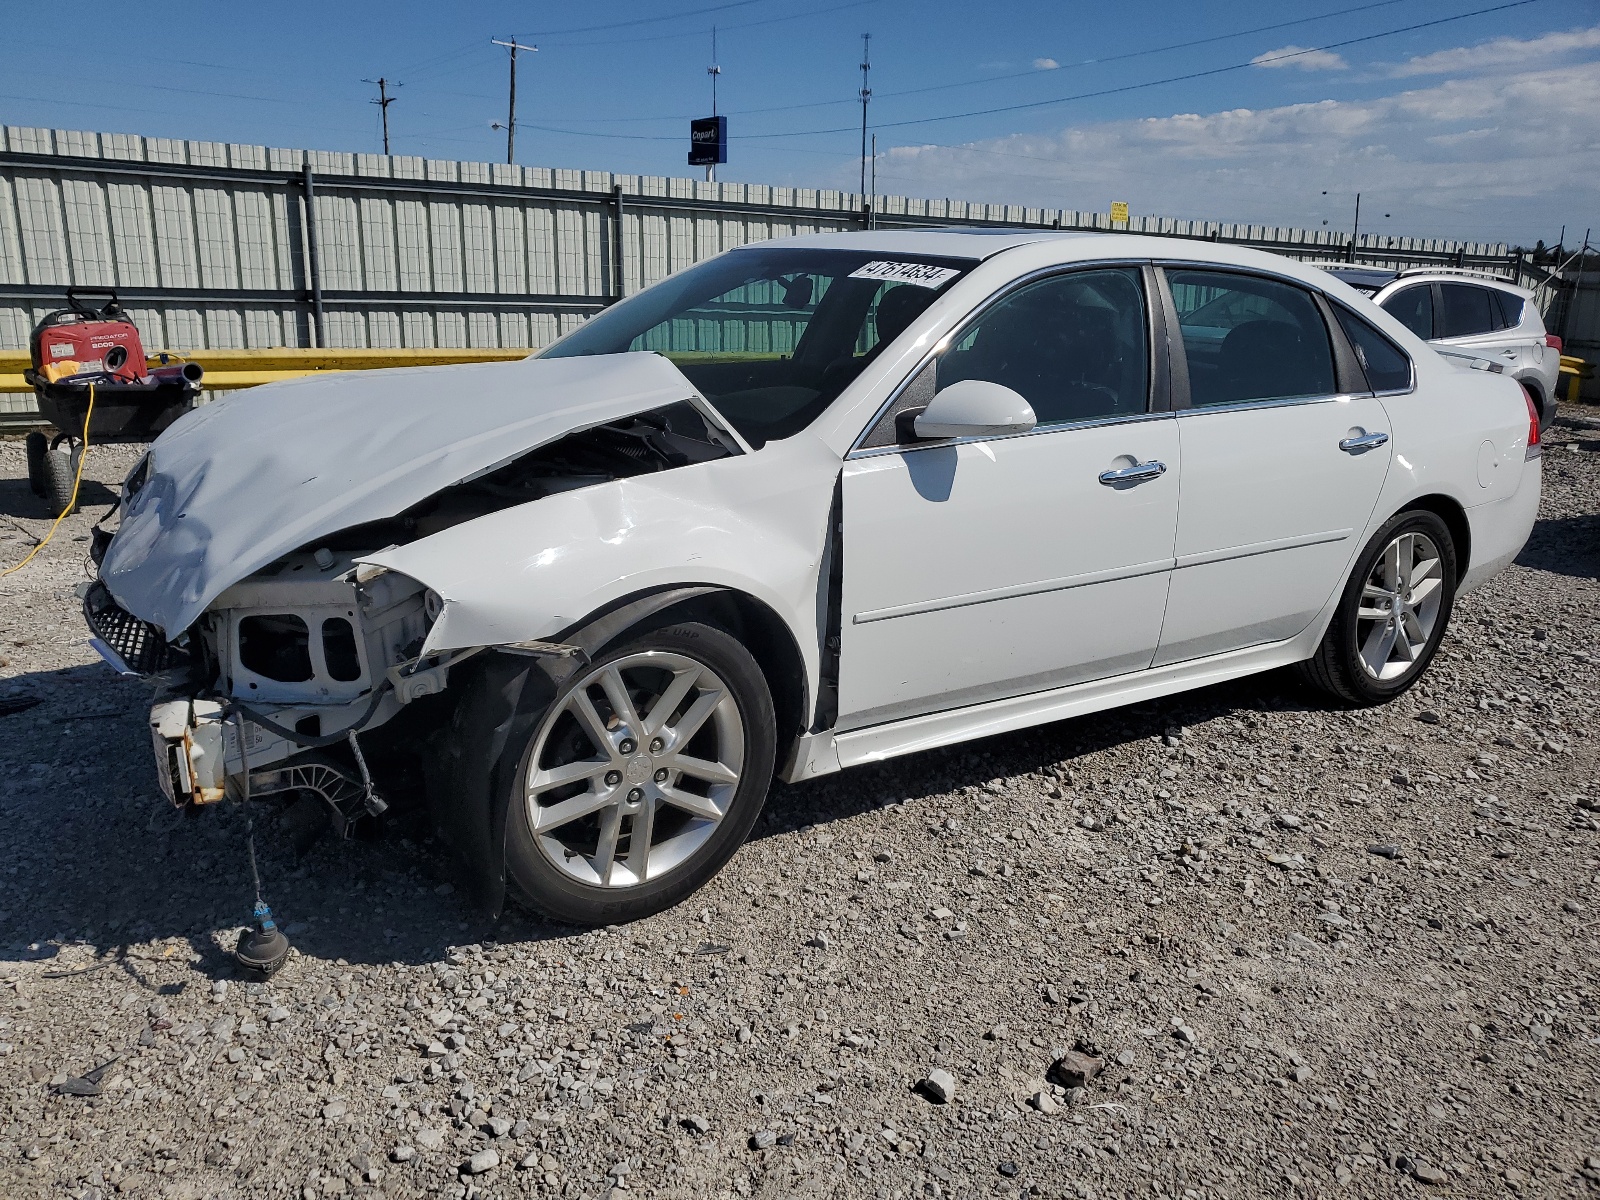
[{"x": 71, "y": 504}]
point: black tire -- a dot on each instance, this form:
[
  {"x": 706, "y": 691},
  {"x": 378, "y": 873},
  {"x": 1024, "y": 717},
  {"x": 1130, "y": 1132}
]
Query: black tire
[
  {"x": 38, "y": 446},
  {"x": 554, "y": 891},
  {"x": 1337, "y": 667},
  {"x": 57, "y": 472}
]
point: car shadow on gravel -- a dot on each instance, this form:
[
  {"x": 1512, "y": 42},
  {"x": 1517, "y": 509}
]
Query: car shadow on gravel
[
  {"x": 93, "y": 854},
  {"x": 101, "y": 858},
  {"x": 1564, "y": 546},
  {"x": 971, "y": 764}
]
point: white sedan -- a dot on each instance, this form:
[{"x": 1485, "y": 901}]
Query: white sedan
[{"x": 812, "y": 503}]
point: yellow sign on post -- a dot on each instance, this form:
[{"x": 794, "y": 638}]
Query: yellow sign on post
[{"x": 1119, "y": 211}]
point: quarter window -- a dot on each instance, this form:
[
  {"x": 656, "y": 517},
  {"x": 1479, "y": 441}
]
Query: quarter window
[
  {"x": 1467, "y": 310},
  {"x": 1386, "y": 365},
  {"x": 1510, "y": 309},
  {"x": 1413, "y": 308},
  {"x": 1074, "y": 346},
  {"x": 1248, "y": 338}
]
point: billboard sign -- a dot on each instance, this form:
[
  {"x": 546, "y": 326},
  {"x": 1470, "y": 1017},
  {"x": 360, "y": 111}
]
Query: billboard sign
[{"x": 708, "y": 141}]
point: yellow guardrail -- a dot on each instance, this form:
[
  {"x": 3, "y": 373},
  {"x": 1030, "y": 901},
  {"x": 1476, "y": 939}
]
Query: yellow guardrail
[
  {"x": 247, "y": 368},
  {"x": 1576, "y": 370}
]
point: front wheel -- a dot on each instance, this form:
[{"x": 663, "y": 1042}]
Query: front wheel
[
  {"x": 643, "y": 777},
  {"x": 1392, "y": 615}
]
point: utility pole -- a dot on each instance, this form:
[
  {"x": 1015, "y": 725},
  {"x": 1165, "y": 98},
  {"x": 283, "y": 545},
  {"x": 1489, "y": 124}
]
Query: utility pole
[
  {"x": 873, "y": 181},
  {"x": 383, "y": 101},
  {"x": 511, "y": 110},
  {"x": 866, "y": 95},
  {"x": 713, "y": 70},
  {"x": 1355, "y": 229}
]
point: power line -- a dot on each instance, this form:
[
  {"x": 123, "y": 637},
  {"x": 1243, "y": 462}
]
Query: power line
[
  {"x": 692, "y": 12},
  {"x": 938, "y": 87},
  {"x": 667, "y": 37},
  {"x": 1134, "y": 87}
]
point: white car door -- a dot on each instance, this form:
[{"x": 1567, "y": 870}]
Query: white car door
[
  {"x": 980, "y": 568},
  {"x": 1281, "y": 468}
]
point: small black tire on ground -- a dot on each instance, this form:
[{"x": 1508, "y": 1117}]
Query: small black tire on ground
[
  {"x": 1340, "y": 667},
  {"x": 37, "y": 446},
  {"x": 554, "y": 870},
  {"x": 57, "y": 473}
]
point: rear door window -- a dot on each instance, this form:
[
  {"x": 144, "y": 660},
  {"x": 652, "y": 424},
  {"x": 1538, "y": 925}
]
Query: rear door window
[
  {"x": 1468, "y": 310},
  {"x": 1386, "y": 365},
  {"x": 1248, "y": 338},
  {"x": 1413, "y": 308}
]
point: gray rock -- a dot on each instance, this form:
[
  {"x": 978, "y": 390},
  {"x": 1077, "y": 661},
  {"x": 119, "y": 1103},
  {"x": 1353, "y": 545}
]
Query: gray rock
[
  {"x": 334, "y": 1109},
  {"x": 1044, "y": 1102},
  {"x": 1074, "y": 1069},
  {"x": 483, "y": 1160},
  {"x": 1289, "y": 821},
  {"x": 429, "y": 1139},
  {"x": 764, "y": 1140},
  {"x": 939, "y": 1086},
  {"x": 402, "y": 1154},
  {"x": 275, "y": 1015},
  {"x": 695, "y": 1123},
  {"x": 498, "y": 1127}
]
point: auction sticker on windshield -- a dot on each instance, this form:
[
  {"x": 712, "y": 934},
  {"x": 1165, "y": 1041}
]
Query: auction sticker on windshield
[{"x": 921, "y": 274}]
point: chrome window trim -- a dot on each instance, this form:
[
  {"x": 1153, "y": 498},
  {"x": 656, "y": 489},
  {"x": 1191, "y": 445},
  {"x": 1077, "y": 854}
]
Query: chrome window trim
[
  {"x": 1280, "y": 402},
  {"x": 1138, "y": 264},
  {"x": 1037, "y": 431}
]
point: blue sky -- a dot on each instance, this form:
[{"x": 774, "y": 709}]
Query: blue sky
[{"x": 1484, "y": 126}]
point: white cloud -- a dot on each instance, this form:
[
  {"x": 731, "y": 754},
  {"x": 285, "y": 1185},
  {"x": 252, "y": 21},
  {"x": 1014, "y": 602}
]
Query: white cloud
[
  {"x": 1500, "y": 54},
  {"x": 1045, "y": 64},
  {"x": 1301, "y": 58},
  {"x": 1456, "y": 158}
]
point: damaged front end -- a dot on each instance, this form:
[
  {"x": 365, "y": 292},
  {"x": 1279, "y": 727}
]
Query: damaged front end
[{"x": 309, "y": 675}]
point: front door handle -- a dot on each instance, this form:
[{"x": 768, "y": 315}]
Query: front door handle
[
  {"x": 1362, "y": 443},
  {"x": 1137, "y": 473}
]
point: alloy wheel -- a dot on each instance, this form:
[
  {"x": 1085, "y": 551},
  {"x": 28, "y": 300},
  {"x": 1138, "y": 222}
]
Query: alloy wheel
[
  {"x": 634, "y": 768},
  {"x": 1400, "y": 604}
]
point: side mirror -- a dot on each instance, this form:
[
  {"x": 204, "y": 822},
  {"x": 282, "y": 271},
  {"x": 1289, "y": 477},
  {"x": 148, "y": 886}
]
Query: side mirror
[{"x": 974, "y": 408}]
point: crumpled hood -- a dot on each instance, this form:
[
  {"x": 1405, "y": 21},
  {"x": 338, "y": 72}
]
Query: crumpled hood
[{"x": 240, "y": 482}]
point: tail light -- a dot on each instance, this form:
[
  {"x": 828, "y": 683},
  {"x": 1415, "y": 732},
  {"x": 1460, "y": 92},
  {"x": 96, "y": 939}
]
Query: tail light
[
  {"x": 1534, "y": 449},
  {"x": 1553, "y": 342}
]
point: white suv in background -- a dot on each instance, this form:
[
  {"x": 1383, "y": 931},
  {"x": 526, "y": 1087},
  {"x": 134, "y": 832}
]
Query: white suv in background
[{"x": 1487, "y": 316}]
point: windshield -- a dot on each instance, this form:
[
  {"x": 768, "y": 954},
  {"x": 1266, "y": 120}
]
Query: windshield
[{"x": 771, "y": 335}]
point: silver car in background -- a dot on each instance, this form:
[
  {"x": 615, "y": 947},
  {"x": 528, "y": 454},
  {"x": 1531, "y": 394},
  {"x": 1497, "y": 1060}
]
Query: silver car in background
[{"x": 1465, "y": 312}]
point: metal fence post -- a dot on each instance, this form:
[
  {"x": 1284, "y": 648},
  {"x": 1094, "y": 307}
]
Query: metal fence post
[{"x": 311, "y": 254}]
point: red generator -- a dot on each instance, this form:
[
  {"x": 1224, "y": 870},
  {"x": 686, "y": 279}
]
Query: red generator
[
  {"x": 83, "y": 352},
  {"x": 85, "y": 344}
]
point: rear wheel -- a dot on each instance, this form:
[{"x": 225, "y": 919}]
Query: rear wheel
[
  {"x": 38, "y": 446},
  {"x": 1392, "y": 615},
  {"x": 643, "y": 777}
]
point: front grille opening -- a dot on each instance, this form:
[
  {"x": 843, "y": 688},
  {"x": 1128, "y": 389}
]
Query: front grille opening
[
  {"x": 339, "y": 650},
  {"x": 276, "y": 647},
  {"x": 310, "y": 726}
]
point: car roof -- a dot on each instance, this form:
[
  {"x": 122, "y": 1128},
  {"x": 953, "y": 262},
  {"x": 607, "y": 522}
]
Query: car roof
[
  {"x": 946, "y": 241},
  {"x": 1362, "y": 277},
  {"x": 1455, "y": 276},
  {"x": 1070, "y": 246}
]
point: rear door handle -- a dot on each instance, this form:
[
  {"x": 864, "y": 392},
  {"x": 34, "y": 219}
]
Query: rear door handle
[
  {"x": 1363, "y": 443},
  {"x": 1137, "y": 473}
]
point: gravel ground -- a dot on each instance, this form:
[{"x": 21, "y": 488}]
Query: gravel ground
[{"x": 1236, "y": 943}]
